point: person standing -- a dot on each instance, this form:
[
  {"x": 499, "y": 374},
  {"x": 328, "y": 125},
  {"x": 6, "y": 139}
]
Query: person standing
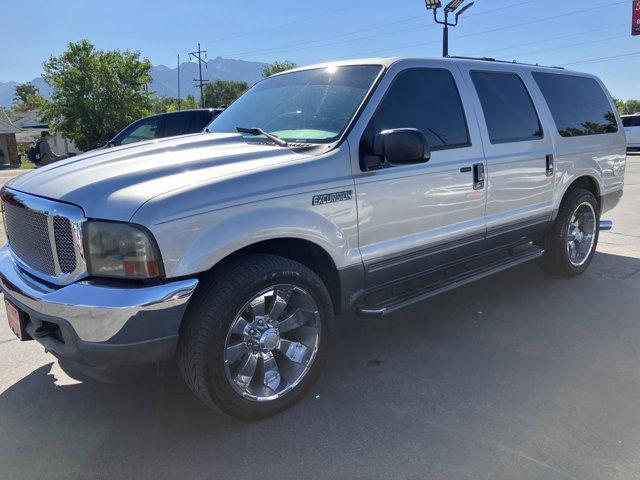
[{"x": 47, "y": 156}]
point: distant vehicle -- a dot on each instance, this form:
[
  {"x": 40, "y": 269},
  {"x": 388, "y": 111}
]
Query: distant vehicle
[
  {"x": 165, "y": 125},
  {"x": 631, "y": 125}
]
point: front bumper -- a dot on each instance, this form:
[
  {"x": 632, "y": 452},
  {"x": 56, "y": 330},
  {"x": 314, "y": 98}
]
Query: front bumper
[{"x": 99, "y": 324}]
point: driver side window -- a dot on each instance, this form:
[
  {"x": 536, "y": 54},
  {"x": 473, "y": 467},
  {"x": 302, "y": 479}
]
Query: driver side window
[
  {"x": 426, "y": 99},
  {"x": 145, "y": 130}
]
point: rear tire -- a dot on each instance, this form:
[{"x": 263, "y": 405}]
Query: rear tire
[
  {"x": 234, "y": 356},
  {"x": 573, "y": 238}
]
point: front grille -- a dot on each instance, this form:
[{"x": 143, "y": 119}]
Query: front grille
[
  {"x": 43, "y": 236},
  {"x": 64, "y": 244},
  {"x": 28, "y": 234}
]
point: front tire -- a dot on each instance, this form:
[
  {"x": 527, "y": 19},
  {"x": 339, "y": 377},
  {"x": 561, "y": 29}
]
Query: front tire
[
  {"x": 256, "y": 336},
  {"x": 571, "y": 243}
]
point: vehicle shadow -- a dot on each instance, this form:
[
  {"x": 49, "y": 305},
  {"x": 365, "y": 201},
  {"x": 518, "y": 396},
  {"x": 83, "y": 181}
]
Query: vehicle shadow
[{"x": 448, "y": 382}]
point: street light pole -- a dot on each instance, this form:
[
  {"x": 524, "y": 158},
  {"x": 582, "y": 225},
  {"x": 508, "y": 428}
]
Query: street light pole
[
  {"x": 451, "y": 7},
  {"x": 445, "y": 33}
]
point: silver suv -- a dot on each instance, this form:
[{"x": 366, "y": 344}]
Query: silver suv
[{"x": 361, "y": 186}]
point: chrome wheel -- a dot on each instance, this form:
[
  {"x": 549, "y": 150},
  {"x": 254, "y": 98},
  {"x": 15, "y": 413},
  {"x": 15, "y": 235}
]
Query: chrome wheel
[
  {"x": 272, "y": 342},
  {"x": 581, "y": 234}
]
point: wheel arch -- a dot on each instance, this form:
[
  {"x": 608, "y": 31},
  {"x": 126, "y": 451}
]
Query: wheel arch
[
  {"x": 303, "y": 251},
  {"x": 587, "y": 182}
]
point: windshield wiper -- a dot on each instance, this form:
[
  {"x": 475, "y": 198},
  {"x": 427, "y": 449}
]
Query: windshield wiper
[{"x": 258, "y": 131}]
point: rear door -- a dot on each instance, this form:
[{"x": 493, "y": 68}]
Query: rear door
[{"x": 519, "y": 152}]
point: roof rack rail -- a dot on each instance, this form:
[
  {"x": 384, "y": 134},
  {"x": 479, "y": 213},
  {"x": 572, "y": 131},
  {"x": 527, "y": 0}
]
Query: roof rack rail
[{"x": 490, "y": 59}]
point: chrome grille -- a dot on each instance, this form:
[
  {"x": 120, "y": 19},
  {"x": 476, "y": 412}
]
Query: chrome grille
[
  {"x": 64, "y": 244},
  {"x": 45, "y": 236},
  {"x": 28, "y": 234}
]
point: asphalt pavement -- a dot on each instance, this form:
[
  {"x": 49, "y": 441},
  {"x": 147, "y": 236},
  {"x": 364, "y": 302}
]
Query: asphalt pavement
[{"x": 518, "y": 376}]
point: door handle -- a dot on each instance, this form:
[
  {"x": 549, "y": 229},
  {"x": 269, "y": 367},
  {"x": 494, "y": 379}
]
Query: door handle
[
  {"x": 478, "y": 176},
  {"x": 549, "y": 160}
]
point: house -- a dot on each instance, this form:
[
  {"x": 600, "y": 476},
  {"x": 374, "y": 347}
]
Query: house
[
  {"x": 8, "y": 141},
  {"x": 30, "y": 126}
]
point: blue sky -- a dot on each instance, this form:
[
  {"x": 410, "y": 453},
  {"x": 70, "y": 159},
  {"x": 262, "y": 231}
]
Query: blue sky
[{"x": 581, "y": 34}]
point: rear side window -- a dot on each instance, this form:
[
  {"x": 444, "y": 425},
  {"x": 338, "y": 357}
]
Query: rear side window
[
  {"x": 199, "y": 120},
  {"x": 631, "y": 121},
  {"x": 176, "y": 124},
  {"x": 578, "y": 104},
  {"x": 507, "y": 106},
  {"x": 426, "y": 99}
]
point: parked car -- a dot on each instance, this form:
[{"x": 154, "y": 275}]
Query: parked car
[
  {"x": 165, "y": 125},
  {"x": 631, "y": 125},
  {"x": 361, "y": 186}
]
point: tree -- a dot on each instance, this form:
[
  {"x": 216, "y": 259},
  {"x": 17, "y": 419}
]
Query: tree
[
  {"x": 170, "y": 104},
  {"x": 620, "y": 106},
  {"x": 221, "y": 93},
  {"x": 96, "y": 93},
  {"x": 27, "y": 97},
  {"x": 277, "y": 67},
  {"x": 632, "y": 106}
]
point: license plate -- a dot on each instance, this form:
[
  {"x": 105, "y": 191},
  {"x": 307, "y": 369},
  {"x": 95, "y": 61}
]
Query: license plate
[{"x": 15, "y": 321}]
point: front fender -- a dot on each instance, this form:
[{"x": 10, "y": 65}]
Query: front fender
[{"x": 195, "y": 244}]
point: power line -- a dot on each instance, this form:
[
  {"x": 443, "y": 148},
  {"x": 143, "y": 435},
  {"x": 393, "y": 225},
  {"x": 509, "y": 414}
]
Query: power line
[
  {"x": 536, "y": 42},
  {"x": 497, "y": 29},
  {"x": 602, "y": 59},
  {"x": 285, "y": 48},
  {"x": 599, "y": 40}
]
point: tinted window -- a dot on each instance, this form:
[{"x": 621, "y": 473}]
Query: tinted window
[
  {"x": 424, "y": 99},
  {"x": 578, "y": 104},
  {"x": 176, "y": 124},
  {"x": 631, "y": 121},
  {"x": 145, "y": 130},
  {"x": 507, "y": 106},
  {"x": 199, "y": 120}
]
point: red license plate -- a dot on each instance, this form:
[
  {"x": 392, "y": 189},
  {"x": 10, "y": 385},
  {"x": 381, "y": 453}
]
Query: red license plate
[{"x": 13, "y": 315}]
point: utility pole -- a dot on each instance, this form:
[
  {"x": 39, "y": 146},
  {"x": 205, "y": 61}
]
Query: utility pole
[
  {"x": 450, "y": 8},
  {"x": 200, "y": 82},
  {"x": 178, "y": 82}
]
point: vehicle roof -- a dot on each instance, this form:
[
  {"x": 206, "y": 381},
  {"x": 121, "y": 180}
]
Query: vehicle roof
[
  {"x": 630, "y": 115},
  {"x": 480, "y": 62},
  {"x": 210, "y": 110}
]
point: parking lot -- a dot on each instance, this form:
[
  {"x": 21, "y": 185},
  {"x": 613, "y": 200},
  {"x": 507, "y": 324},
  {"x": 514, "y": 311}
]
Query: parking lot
[{"x": 519, "y": 376}]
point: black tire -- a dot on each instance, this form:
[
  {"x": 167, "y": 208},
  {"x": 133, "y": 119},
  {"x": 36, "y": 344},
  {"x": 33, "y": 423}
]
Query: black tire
[
  {"x": 218, "y": 300},
  {"x": 556, "y": 259}
]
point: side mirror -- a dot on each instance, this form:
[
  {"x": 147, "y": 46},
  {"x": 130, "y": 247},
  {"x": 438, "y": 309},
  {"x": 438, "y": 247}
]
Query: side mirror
[{"x": 402, "y": 146}]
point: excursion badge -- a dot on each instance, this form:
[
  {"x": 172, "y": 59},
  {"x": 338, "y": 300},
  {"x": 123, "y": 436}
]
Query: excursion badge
[{"x": 331, "y": 197}]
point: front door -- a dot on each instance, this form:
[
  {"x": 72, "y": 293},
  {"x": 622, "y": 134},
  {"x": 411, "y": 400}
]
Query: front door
[{"x": 414, "y": 217}]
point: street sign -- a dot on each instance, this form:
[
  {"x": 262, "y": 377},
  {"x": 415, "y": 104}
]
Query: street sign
[{"x": 635, "y": 19}]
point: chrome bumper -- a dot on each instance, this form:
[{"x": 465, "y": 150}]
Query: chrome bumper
[{"x": 99, "y": 312}]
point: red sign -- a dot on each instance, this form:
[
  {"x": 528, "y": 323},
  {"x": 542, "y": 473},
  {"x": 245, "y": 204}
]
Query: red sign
[{"x": 635, "y": 19}]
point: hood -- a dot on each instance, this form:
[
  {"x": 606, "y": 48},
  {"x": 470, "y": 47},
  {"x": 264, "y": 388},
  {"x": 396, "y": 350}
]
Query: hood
[{"x": 114, "y": 183}]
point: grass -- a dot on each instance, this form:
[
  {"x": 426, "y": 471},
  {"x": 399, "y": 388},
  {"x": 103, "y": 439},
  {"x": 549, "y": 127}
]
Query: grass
[{"x": 26, "y": 165}]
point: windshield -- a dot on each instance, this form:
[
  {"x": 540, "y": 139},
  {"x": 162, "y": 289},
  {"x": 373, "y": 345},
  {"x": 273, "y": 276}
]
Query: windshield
[{"x": 310, "y": 106}]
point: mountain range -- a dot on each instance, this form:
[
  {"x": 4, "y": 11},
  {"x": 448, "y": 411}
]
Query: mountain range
[{"x": 165, "y": 79}]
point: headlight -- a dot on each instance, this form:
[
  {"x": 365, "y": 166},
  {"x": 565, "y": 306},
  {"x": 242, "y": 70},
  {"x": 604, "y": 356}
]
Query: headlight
[{"x": 121, "y": 250}]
